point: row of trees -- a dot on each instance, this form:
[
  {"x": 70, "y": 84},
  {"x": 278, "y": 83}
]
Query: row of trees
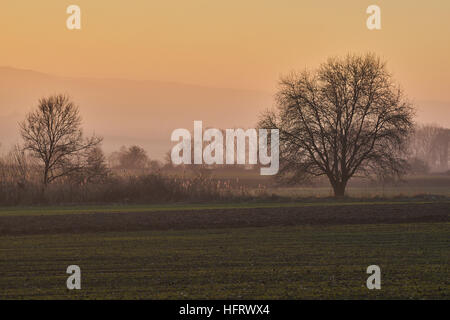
[{"x": 347, "y": 118}]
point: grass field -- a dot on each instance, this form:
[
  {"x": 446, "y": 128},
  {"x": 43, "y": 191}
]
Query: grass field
[
  {"x": 238, "y": 252},
  {"x": 86, "y": 209}
]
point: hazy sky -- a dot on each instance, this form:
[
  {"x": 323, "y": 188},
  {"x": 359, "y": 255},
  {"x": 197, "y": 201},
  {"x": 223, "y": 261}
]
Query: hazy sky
[{"x": 235, "y": 44}]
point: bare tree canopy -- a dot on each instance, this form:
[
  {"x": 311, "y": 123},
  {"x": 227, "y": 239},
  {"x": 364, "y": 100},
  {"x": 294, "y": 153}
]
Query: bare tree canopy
[
  {"x": 133, "y": 157},
  {"x": 53, "y": 134},
  {"x": 93, "y": 167},
  {"x": 347, "y": 117}
]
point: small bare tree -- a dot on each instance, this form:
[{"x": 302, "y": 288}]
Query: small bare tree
[
  {"x": 53, "y": 134},
  {"x": 346, "y": 118},
  {"x": 94, "y": 168},
  {"x": 133, "y": 157}
]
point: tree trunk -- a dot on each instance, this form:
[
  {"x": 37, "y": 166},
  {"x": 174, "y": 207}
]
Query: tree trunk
[
  {"x": 339, "y": 189},
  {"x": 45, "y": 178}
]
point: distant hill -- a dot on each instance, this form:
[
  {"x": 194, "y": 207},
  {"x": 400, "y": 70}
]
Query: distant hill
[{"x": 127, "y": 111}]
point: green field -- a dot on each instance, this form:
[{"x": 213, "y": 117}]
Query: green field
[
  {"x": 64, "y": 210},
  {"x": 297, "y": 262}
]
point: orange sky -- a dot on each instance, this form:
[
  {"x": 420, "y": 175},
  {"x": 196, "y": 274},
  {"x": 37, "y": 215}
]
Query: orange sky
[{"x": 235, "y": 44}]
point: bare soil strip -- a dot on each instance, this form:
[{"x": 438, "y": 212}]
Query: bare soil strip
[{"x": 225, "y": 218}]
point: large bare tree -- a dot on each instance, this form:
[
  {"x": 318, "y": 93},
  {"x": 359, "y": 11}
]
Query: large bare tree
[
  {"x": 347, "y": 117},
  {"x": 53, "y": 134}
]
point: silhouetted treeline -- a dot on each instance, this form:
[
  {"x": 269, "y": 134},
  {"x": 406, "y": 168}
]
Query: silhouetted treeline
[{"x": 57, "y": 164}]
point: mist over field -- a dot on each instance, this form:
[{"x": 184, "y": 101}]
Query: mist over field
[{"x": 127, "y": 112}]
